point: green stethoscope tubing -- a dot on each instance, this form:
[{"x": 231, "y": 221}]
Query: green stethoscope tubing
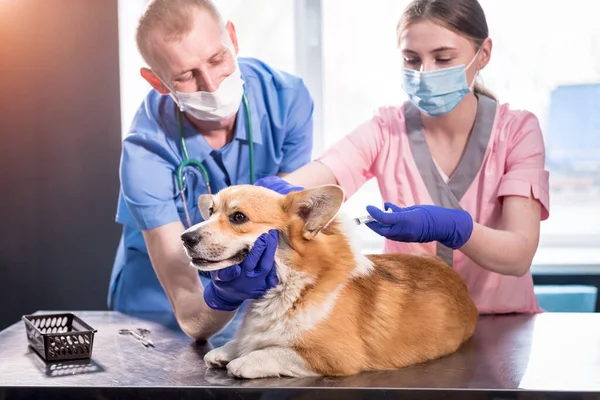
[{"x": 187, "y": 161}]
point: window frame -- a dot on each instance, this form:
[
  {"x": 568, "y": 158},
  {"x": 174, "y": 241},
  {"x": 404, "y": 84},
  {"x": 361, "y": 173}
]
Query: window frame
[
  {"x": 309, "y": 64},
  {"x": 308, "y": 33}
]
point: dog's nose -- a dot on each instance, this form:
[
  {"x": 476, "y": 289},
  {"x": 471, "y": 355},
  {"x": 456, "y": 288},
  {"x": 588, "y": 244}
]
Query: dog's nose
[{"x": 191, "y": 238}]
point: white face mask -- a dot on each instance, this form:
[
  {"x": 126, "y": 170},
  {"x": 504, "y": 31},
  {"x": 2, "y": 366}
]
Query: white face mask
[
  {"x": 219, "y": 105},
  {"x": 214, "y": 106}
]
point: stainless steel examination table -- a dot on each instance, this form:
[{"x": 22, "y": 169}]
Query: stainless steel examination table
[{"x": 513, "y": 356}]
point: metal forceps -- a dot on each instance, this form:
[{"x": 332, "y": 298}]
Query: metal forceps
[{"x": 140, "y": 335}]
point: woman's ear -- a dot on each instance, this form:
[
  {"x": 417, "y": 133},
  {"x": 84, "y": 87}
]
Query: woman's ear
[{"x": 485, "y": 53}]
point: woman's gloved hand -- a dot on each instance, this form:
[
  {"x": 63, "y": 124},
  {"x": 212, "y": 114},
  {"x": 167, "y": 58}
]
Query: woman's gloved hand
[
  {"x": 231, "y": 286},
  {"x": 422, "y": 224},
  {"x": 278, "y": 185}
]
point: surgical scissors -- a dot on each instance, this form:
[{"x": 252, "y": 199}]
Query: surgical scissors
[{"x": 139, "y": 336}]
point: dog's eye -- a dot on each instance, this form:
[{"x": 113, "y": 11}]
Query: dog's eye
[
  {"x": 238, "y": 218},
  {"x": 211, "y": 211}
]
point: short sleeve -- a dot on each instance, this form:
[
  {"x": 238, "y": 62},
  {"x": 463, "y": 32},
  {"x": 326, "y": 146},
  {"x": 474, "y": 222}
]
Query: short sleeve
[
  {"x": 351, "y": 159},
  {"x": 525, "y": 172},
  {"x": 147, "y": 183},
  {"x": 298, "y": 143}
]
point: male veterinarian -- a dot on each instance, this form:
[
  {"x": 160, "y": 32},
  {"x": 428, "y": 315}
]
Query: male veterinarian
[{"x": 211, "y": 121}]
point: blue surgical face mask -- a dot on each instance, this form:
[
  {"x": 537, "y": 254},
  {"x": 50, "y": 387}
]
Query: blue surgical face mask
[{"x": 437, "y": 92}]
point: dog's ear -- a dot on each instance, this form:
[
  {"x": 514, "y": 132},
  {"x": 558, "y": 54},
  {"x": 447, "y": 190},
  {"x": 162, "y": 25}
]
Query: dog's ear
[
  {"x": 316, "y": 207},
  {"x": 205, "y": 204}
]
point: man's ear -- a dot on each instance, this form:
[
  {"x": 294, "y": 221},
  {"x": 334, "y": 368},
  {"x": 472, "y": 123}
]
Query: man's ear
[
  {"x": 316, "y": 207},
  {"x": 153, "y": 80},
  {"x": 232, "y": 35},
  {"x": 205, "y": 204}
]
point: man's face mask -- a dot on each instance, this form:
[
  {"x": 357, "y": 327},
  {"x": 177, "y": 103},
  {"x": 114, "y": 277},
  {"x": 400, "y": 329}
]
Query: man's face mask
[
  {"x": 438, "y": 92},
  {"x": 214, "y": 106},
  {"x": 218, "y": 105}
]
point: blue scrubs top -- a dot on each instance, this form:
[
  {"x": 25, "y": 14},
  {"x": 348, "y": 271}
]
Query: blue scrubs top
[{"x": 281, "y": 113}]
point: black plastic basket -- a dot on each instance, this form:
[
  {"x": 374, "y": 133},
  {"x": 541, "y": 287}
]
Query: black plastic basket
[{"x": 58, "y": 337}]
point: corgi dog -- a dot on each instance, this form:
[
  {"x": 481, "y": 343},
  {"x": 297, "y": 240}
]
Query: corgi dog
[{"x": 335, "y": 311}]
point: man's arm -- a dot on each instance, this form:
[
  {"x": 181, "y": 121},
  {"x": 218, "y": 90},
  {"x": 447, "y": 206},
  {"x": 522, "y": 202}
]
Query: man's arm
[{"x": 182, "y": 283}]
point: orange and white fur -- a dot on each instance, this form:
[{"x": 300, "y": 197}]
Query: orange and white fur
[{"x": 335, "y": 311}]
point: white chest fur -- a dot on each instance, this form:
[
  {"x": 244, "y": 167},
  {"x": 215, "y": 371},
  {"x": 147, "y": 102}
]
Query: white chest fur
[
  {"x": 271, "y": 321},
  {"x": 262, "y": 346}
]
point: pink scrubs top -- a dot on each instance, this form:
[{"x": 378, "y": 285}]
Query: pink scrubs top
[{"x": 505, "y": 157}]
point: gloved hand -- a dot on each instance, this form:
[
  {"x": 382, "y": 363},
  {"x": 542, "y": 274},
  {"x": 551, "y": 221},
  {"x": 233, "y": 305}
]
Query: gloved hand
[
  {"x": 422, "y": 224},
  {"x": 277, "y": 184},
  {"x": 229, "y": 287}
]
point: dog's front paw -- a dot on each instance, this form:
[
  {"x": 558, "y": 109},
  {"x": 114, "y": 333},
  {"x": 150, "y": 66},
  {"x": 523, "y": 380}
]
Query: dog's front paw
[
  {"x": 247, "y": 368},
  {"x": 216, "y": 358}
]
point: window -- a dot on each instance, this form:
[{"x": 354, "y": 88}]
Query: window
[
  {"x": 133, "y": 86},
  {"x": 265, "y": 29},
  {"x": 555, "y": 73},
  {"x": 533, "y": 69},
  {"x": 361, "y": 74}
]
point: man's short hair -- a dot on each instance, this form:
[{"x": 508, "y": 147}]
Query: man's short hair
[{"x": 172, "y": 18}]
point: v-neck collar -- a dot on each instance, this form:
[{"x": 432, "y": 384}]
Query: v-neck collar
[
  {"x": 472, "y": 159},
  {"x": 449, "y": 194}
]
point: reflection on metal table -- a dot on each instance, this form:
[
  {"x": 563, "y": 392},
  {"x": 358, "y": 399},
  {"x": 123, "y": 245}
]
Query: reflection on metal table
[{"x": 514, "y": 356}]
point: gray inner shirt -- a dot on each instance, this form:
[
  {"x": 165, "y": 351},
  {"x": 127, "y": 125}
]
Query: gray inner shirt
[{"x": 449, "y": 194}]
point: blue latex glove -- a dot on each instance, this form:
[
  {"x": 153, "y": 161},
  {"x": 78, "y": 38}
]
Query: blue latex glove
[
  {"x": 230, "y": 287},
  {"x": 422, "y": 224},
  {"x": 278, "y": 185}
]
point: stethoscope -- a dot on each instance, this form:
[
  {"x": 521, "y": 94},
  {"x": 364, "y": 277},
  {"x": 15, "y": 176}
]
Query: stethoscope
[{"x": 190, "y": 162}]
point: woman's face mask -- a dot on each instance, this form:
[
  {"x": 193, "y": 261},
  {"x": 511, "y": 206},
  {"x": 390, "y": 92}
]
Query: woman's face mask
[{"x": 438, "y": 92}]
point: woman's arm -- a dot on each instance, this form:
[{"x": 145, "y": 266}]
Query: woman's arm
[
  {"x": 348, "y": 163},
  {"x": 524, "y": 188},
  {"x": 311, "y": 175},
  {"x": 510, "y": 249},
  {"x": 507, "y": 249}
]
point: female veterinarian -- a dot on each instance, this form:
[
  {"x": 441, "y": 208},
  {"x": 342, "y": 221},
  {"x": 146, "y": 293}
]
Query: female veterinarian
[{"x": 462, "y": 175}]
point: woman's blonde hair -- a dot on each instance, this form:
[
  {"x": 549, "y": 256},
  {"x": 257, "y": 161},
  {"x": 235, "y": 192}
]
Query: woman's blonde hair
[{"x": 464, "y": 17}]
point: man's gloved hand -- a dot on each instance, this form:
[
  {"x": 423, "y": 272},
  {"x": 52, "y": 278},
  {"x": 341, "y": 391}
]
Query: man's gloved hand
[
  {"x": 422, "y": 224},
  {"x": 229, "y": 287},
  {"x": 277, "y": 184}
]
